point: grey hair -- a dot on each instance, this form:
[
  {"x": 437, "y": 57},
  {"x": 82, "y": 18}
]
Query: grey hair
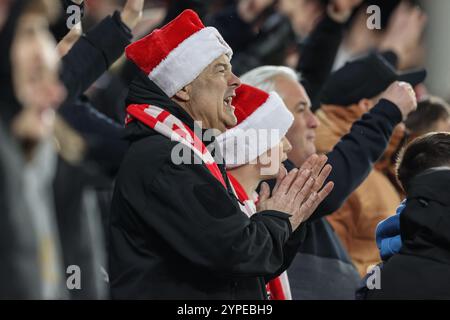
[{"x": 264, "y": 77}]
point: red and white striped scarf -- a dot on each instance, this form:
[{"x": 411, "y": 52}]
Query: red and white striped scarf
[
  {"x": 277, "y": 288},
  {"x": 171, "y": 127}
]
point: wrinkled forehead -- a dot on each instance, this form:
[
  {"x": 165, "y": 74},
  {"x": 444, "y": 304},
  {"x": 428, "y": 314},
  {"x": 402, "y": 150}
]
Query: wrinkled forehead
[
  {"x": 292, "y": 90},
  {"x": 223, "y": 60}
]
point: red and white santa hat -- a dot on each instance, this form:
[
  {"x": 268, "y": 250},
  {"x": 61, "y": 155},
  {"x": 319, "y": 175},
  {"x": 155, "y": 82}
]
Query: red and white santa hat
[
  {"x": 176, "y": 54},
  {"x": 263, "y": 121}
]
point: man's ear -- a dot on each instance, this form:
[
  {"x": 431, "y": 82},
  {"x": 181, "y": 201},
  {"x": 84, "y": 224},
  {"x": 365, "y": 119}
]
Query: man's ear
[{"x": 183, "y": 94}]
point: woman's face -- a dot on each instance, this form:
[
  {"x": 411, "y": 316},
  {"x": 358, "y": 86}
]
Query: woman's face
[{"x": 35, "y": 66}]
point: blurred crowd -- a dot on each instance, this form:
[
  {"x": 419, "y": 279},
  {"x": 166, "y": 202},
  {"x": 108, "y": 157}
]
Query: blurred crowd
[{"x": 65, "y": 88}]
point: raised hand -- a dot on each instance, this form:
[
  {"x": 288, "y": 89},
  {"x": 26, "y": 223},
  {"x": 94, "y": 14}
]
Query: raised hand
[
  {"x": 404, "y": 33},
  {"x": 403, "y": 96}
]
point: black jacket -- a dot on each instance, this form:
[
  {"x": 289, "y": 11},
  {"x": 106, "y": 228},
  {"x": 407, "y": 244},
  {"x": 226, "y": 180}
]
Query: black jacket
[
  {"x": 177, "y": 233},
  {"x": 79, "y": 224},
  {"x": 92, "y": 55},
  {"x": 78, "y": 232},
  {"x": 75, "y": 203},
  {"x": 421, "y": 270}
]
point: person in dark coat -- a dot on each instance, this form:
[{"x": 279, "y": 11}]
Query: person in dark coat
[
  {"x": 348, "y": 94},
  {"x": 18, "y": 248},
  {"x": 54, "y": 226},
  {"x": 177, "y": 231},
  {"x": 421, "y": 269},
  {"x": 85, "y": 61}
]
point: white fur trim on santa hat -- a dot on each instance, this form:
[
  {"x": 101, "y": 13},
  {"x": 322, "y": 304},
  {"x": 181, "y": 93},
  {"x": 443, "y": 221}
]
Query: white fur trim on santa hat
[
  {"x": 258, "y": 133},
  {"x": 185, "y": 63}
]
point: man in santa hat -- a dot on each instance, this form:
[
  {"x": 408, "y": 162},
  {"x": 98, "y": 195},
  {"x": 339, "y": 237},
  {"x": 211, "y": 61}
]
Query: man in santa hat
[
  {"x": 252, "y": 155},
  {"x": 176, "y": 228}
]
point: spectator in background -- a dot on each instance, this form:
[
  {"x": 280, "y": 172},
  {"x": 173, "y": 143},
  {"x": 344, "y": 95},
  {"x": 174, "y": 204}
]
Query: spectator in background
[
  {"x": 57, "y": 231},
  {"x": 402, "y": 23},
  {"x": 348, "y": 94},
  {"x": 432, "y": 115},
  {"x": 421, "y": 269},
  {"x": 107, "y": 94},
  {"x": 266, "y": 32},
  {"x": 19, "y": 242},
  {"x": 85, "y": 59},
  {"x": 322, "y": 264},
  {"x": 57, "y": 185}
]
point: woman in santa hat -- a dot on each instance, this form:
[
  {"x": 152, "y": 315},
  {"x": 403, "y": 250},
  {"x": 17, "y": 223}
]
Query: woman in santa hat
[{"x": 254, "y": 150}]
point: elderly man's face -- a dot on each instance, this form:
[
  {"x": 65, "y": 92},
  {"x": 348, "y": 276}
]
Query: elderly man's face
[
  {"x": 211, "y": 93},
  {"x": 302, "y": 133}
]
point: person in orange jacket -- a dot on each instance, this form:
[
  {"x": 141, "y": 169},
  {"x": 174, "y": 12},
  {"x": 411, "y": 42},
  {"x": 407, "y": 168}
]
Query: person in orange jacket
[{"x": 348, "y": 94}]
